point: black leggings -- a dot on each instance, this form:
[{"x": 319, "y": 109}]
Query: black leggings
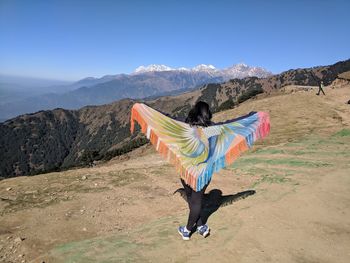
[{"x": 195, "y": 204}]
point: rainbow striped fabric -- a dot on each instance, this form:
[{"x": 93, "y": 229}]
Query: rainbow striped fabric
[{"x": 197, "y": 152}]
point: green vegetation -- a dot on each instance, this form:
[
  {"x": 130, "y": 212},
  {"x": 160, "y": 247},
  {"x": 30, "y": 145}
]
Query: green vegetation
[
  {"x": 282, "y": 161},
  {"x": 181, "y": 111},
  {"x": 37, "y": 144},
  {"x": 272, "y": 179},
  {"x": 88, "y": 157},
  {"x": 269, "y": 151},
  {"x": 127, "y": 147},
  {"x": 209, "y": 96},
  {"x": 246, "y": 95},
  {"x": 342, "y": 133},
  {"x": 300, "y": 159},
  {"x": 228, "y": 104}
]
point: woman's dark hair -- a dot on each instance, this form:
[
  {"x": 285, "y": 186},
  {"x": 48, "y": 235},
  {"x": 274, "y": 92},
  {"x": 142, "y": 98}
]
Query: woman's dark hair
[{"x": 199, "y": 115}]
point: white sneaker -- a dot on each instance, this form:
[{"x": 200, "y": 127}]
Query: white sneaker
[
  {"x": 184, "y": 232},
  {"x": 203, "y": 230}
]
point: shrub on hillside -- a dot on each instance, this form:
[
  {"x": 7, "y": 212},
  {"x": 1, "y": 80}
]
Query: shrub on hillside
[
  {"x": 127, "y": 147},
  {"x": 246, "y": 95},
  {"x": 228, "y": 104},
  {"x": 88, "y": 157}
]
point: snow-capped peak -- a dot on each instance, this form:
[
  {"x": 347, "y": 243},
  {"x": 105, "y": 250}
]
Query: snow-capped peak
[
  {"x": 203, "y": 67},
  {"x": 152, "y": 67},
  {"x": 241, "y": 65}
]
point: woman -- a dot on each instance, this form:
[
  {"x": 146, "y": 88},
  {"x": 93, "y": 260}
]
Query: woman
[
  {"x": 198, "y": 152},
  {"x": 199, "y": 115}
]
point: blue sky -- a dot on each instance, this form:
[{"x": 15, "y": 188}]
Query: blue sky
[{"x": 70, "y": 40}]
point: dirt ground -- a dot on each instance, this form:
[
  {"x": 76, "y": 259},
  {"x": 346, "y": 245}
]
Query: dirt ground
[{"x": 125, "y": 210}]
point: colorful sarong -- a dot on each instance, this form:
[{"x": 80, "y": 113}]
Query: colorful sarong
[{"x": 197, "y": 152}]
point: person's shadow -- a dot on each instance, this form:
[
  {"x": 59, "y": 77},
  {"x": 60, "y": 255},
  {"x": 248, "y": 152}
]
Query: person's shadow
[{"x": 214, "y": 199}]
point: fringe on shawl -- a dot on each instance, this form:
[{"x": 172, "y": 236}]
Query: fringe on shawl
[
  {"x": 262, "y": 130},
  {"x": 162, "y": 148},
  {"x": 135, "y": 116}
]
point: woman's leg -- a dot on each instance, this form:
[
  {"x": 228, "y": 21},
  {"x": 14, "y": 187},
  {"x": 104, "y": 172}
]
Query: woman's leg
[
  {"x": 200, "y": 220},
  {"x": 195, "y": 205}
]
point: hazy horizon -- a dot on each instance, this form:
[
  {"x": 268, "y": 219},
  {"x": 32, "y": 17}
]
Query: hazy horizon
[{"x": 34, "y": 78}]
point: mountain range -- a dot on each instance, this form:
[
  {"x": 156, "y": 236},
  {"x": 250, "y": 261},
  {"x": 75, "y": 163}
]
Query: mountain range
[
  {"x": 240, "y": 70},
  {"x": 152, "y": 80},
  {"x": 60, "y": 138}
]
